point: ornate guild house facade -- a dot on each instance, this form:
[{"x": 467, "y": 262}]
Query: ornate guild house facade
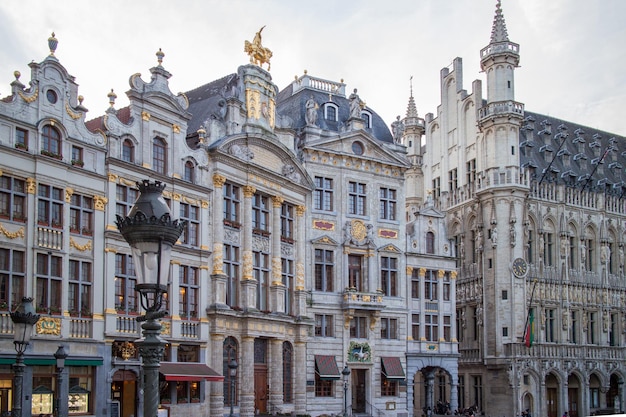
[{"x": 341, "y": 261}]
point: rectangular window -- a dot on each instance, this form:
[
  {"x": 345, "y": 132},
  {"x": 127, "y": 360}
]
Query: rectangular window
[
  {"x": 447, "y": 328},
  {"x": 81, "y": 215},
  {"x": 388, "y": 203},
  {"x": 548, "y": 249},
  {"x": 77, "y": 156},
  {"x": 389, "y": 276},
  {"x": 260, "y": 214},
  {"x": 591, "y": 327},
  {"x": 614, "y": 330},
  {"x": 431, "y": 327},
  {"x": 323, "y": 388},
  {"x": 124, "y": 199},
  {"x": 437, "y": 187},
  {"x": 415, "y": 284},
  {"x": 388, "y": 328},
  {"x": 470, "y": 167},
  {"x": 288, "y": 282},
  {"x": 461, "y": 391},
  {"x": 159, "y": 155},
  {"x": 573, "y": 334},
  {"x": 551, "y": 329},
  {"x": 79, "y": 288},
  {"x": 286, "y": 222},
  {"x": 188, "y": 289},
  {"x": 460, "y": 325},
  {"x": 261, "y": 271},
  {"x": 12, "y": 199},
  {"x": 324, "y": 325},
  {"x": 388, "y": 387},
  {"x": 21, "y": 138},
  {"x": 125, "y": 281},
  {"x": 453, "y": 180},
  {"x": 50, "y": 206},
  {"x": 415, "y": 327},
  {"x": 589, "y": 254},
  {"x": 446, "y": 286},
  {"x": 12, "y": 278},
  {"x": 324, "y": 267},
  {"x": 323, "y": 197},
  {"x": 358, "y": 327},
  {"x": 430, "y": 285},
  {"x": 573, "y": 262},
  {"x": 594, "y": 397},
  {"x": 49, "y": 278},
  {"x": 231, "y": 205},
  {"x": 477, "y": 393},
  {"x": 231, "y": 270},
  {"x": 190, "y": 234},
  {"x": 355, "y": 274},
  {"x": 356, "y": 198}
]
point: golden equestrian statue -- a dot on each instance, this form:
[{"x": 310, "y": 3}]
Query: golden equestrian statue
[{"x": 259, "y": 55}]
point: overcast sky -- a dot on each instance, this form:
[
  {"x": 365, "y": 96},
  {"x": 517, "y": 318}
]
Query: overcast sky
[{"x": 573, "y": 52}]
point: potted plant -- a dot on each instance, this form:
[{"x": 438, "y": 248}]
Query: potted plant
[
  {"x": 78, "y": 162},
  {"x": 22, "y": 146}
]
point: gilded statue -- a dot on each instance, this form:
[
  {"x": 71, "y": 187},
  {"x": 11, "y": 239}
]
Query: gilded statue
[{"x": 259, "y": 55}]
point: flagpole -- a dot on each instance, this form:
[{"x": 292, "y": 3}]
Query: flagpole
[{"x": 532, "y": 295}]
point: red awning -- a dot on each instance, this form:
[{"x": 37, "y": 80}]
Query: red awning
[
  {"x": 326, "y": 367},
  {"x": 188, "y": 371},
  {"x": 392, "y": 367}
]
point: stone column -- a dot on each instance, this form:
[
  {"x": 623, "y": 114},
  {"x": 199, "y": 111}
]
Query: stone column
[
  {"x": 277, "y": 287},
  {"x": 422, "y": 275},
  {"x": 300, "y": 378},
  {"x": 216, "y": 362},
  {"x": 410, "y": 396},
  {"x": 276, "y": 376},
  {"x": 453, "y": 329},
  {"x": 300, "y": 290},
  {"x": 218, "y": 279},
  {"x": 245, "y": 375},
  {"x": 248, "y": 283},
  {"x": 430, "y": 390}
]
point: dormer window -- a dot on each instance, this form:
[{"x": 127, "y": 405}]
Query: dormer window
[
  {"x": 51, "y": 95},
  {"x": 51, "y": 141},
  {"x": 367, "y": 118},
  {"x": 128, "y": 151},
  {"x": 189, "y": 172},
  {"x": 330, "y": 112}
]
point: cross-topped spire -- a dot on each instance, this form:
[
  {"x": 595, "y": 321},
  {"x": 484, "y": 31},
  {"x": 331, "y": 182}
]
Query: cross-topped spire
[{"x": 498, "y": 31}]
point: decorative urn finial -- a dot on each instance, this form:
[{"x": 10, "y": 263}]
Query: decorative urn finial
[{"x": 52, "y": 44}]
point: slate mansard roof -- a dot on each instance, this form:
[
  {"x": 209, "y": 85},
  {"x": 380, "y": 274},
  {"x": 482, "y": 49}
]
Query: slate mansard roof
[{"x": 572, "y": 154}]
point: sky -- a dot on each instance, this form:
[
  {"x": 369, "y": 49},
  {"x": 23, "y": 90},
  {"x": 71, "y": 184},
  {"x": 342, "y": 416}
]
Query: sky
[{"x": 572, "y": 66}]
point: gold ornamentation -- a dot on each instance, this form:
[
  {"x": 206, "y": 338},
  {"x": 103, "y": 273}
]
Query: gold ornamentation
[
  {"x": 69, "y": 192},
  {"x": 110, "y": 250},
  {"x": 49, "y": 325},
  {"x": 31, "y": 185},
  {"x": 276, "y": 269},
  {"x": 259, "y": 54},
  {"x": 253, "y": 103},
  {"x": 113, "y": 177},
  {"x": 440, "y": 273},
  {"x": 248, "y": 191},
  {"x": 176, "y": 128},
  {"x": 204, "y": 204},
  {"x": 358, "y": 230},
  {"x": 277, "y": 201},
  {"x": 247, "y": 265},
  {"x": 82, "y": 248},
  {"x": 422, "y": 272},
  {"x": 453, "y": 274},
  {"x": 126, "y": 350},
  {"x": 166, "y": 327},
  {"x": 176, "y": 196},
  {"x": 300, "y": 210},
  {"x": 145, "y": 116},
  {"x": 100, "y": 202},
  {"x": 409, "y": 270},
  {"x": 29, "y": 99},
  {"x": 12, "y": 235},
  {"x": 218, "y": 180},
  {"x": 218, "y": 260},
  {"x": 128, "y": 183},
  {"x": 72, "y": 113}
]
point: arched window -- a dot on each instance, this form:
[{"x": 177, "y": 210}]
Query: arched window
[
  {"x": 159, "y": 155},
  {"x": 231, "y": 350},
  {"x": 128, "y": 151},
  {"x": 367, "y": 118},
  {"x": 287, "y": 373},
  {"x": 51, "y": 140},
  {"x": 430, "y": 242},
  {"x": 188, "y": 174},
  {"x": 330, "y": 112}
]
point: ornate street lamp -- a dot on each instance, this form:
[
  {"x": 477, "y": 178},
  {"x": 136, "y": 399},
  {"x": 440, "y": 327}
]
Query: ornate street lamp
[
  {"x": 346, "y": 374},
  {"x": 232, "y": 372},
  {"x": 60, "y": 355},
  {"x": 24, "y": 318},
  {"x": 151, "y": 234}
]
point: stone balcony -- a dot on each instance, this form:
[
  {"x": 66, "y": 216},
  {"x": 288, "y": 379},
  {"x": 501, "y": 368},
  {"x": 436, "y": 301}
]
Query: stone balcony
[{"x": 356, "y": 300}]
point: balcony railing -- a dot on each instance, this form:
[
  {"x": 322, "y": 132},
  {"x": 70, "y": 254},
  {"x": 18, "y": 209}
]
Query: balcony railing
[
  {"x": 81, "y": 327},
  {"x": 363, "y": 300}
]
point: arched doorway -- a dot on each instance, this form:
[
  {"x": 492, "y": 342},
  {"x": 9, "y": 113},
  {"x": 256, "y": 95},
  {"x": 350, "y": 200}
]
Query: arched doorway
[
  {"x": 552, "y": 395},
  {"x": 432, "y": 389},
  {"x": 613, "y": 394},
  {"x": 574, "y": 391},
  {"x": 124, "y": 390}
]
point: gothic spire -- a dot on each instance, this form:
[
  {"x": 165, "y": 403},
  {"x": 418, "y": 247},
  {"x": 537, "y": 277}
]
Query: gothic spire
[
  {"x": 411, "y": 110},
  {"x": 498, "y": 31}
]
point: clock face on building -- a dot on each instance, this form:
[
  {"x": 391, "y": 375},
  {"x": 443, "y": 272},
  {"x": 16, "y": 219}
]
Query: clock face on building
[{"x": 519, "y": 267}]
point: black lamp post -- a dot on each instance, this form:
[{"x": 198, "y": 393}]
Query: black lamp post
[
  {"x": 232, "y": 372},
  {"x": 346, "y": 374},
  {"x": 24, "y": 318},
  {"x": 151, "y": 234},
  {"x": 60, "y": 355}
]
